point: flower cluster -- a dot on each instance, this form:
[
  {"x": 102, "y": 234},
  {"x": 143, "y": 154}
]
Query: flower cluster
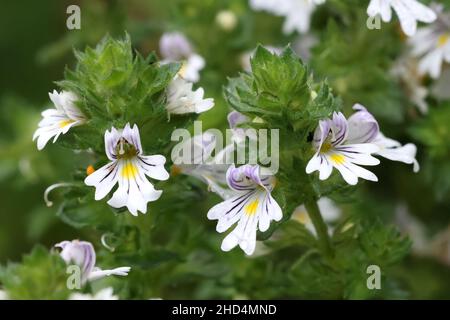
[{"x": 346, "y": 144}]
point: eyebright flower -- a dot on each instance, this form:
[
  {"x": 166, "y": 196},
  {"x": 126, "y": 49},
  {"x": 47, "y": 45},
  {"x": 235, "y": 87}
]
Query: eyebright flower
[
  {"x": 363, "y": 128},
  {"x": 333, "y": 149},
  {"x": 408, "y": 12},
  {"x": 297, "y": 12},
  {"x": 239, "y": 135},
  {"x": 103, "y": 294},
  {"x": 176, "y": 47},
  {"x": 226, "y": 19},
  {"x": 182, "y": 99},
  {"x": 432, "y": 45},
  {"x": 252, "y": 207},
  {"x": 82, "y": 253},
  {"x": 59, "y": 120},
  {"x": 128, "y": 167},
  {"x": 407, "y": 72},
  {"x": 201, "y": 164}
]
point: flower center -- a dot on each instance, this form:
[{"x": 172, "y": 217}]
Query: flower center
[
  {"x": 302, "y": 217},
  {"x": 125, "y": 150},
  {"x": 250, "y": 209},
  {"x": 443, "y": 39},
  {"x": 129, "y": 170},
  {"x": 326, "y": 146},
  {"x": 182, "y": 71},
  {"x": 64, "y": 123},
  {"x": 337, "y": 158}
]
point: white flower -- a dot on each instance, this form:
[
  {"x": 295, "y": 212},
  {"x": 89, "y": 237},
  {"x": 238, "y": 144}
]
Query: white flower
[
  {"x": 362, "y": 128},
  {"x": 128, "y": 167},
  {"x": 191, "y": 67},
  {"x": 226, "y": 19},
  {"x": 252, "y": 207},
  {"x": 82, "y": 254},
  {"x": 3, "y": 295},
  {"x": 239, "y": 135},
  {"x": 182, "y": 99},
  {"x": 103, "y": 294},
  {"x": 59, "y": 120},
  {"x": 408, "y": 12},
  {"x": 196, "y": 160},
  {"x": 432, "y": 45},
  {"x": 333, "y": 149},
  {"x": 304, "y": 44},
  {"x": 175, "y": 47},
  {"x": 406, "y": 70},
  {"x": 297, "y": 13},
  {"x": 329, "y": 210}
]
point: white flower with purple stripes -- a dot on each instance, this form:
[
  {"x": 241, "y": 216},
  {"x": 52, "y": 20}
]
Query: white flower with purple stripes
[
  {"x": 362, "y": 127},
  {"x": 59, "y": 120},
  {"x": 334, "y": 149},
  {"x": 82, "y": 254},
  {"x": 201, "y": 164},
  {"x": 128, "y": 167},
  {"x": 252, "y": 207}
]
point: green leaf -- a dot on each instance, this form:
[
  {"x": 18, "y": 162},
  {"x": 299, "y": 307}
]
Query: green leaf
[{"x": 41, "y": 275}]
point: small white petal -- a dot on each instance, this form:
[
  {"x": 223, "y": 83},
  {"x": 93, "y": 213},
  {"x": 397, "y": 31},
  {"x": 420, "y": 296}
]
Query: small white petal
[{"x": 103, "y": 179}]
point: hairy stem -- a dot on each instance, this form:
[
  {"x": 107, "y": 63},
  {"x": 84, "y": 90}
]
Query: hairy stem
[{"x": 321, "y": 228}]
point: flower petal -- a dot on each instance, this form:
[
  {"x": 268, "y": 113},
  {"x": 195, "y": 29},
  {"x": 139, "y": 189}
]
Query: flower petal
[
  {"x": 362, "y": 126},
  {"x": 103, "y": 179}
]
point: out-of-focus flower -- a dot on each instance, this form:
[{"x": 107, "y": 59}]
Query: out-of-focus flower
[
  {"x": 82, "y": 254},
  {"x": 103, "y": 294},
  {"x": 334, "y": 149},
  {"x": 406, "y": 70},
  {"x": 128, "y": 167},
  {"x": 432, "y": 45},
  {"x": 439, "y": 88},
  {"x": 174, "y": 46},
  {"x": 182, "y": 99},
  {"x": 226, "y": 19},
  {"x": 3, "y": 295},
  {"x": 329, "y": 210},
  {"x": 303, "y": 45},
  {"x": 59, "y": 120},
  {"x": 409, "y": 12},
  {"x": 297, "y": 13},
  {"x": 411, "y": 226},
  {"x": 363, "y": 128},
  {"x": 201, "y": 164},
  {"x": 252, "y": 207}
]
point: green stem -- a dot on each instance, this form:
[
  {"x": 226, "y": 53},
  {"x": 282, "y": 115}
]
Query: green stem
[{"x": 321, "y": 228}]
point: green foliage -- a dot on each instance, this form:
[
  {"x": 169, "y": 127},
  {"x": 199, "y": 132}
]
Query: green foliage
[
  {"x": 41, "y": 275},
  {"x": 433, "y": 132},
  {"x": 117, "y": 87},
  {"x": 354, "y": 59}
]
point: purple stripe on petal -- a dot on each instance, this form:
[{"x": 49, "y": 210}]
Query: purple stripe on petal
[
  {"x": 363, "y": 127},
  {"x": 339, "y": 129}
]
